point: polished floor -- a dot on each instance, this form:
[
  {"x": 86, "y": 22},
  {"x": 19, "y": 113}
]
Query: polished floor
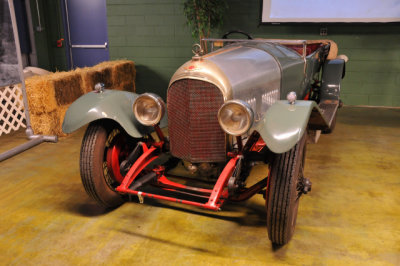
[{"x": 351, "y": 217}]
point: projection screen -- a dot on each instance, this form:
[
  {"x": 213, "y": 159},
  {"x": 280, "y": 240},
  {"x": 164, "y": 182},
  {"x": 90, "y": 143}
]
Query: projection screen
[{"x": 330, "y": 11}]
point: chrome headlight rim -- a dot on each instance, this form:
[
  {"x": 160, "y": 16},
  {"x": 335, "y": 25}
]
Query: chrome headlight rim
[
  {"x": 159, "y": 103},
  {"x": 247, "y": 110}
]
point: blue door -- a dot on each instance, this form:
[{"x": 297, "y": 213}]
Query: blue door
[{"x": 87, "y": 32}]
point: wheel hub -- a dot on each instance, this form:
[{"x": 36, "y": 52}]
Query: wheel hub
[{"x": 304, "y": 185}]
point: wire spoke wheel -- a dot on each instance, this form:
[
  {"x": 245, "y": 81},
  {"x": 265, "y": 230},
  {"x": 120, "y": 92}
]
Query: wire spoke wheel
[{"x": 283, "y": 196}]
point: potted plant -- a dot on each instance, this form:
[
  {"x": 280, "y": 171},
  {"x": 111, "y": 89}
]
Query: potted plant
[{"x": 203, "y": 16}]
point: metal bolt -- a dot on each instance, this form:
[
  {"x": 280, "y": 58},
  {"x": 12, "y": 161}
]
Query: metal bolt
[
  {"x": 99, "y": 87},
  {"x": 291, "y": 97},
  {"x": 306, "y": 185}
]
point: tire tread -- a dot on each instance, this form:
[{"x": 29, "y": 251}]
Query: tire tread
[
  {"x": 87, "y": 157},
  {"x": 280, "y": 195}
]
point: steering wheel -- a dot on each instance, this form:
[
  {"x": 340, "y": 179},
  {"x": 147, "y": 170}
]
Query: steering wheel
[{"x": 225, "y": 36}]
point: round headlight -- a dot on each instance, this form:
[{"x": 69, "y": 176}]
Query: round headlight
[
  {"x": 235, "y": 117},
  {"x": 148, "y": 109}
]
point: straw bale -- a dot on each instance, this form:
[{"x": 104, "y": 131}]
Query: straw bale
[
  {"x": 61, "y": 110},
  {"x": 123, "y": 72},
  {"x": 93, "y": 75},
  {"x": 45, "y": 123},
  {"x": 49, "y": 96},
  {"x": 108, "y": 64},
  {"x": 67, "y": 87},
  {"x": 127, "y": 86},
  {"x": 114, "y": 75},
  {"x": 41, "y": 95},
  {"x": 104, "y": 66},
  {"x": 49, "y": 123}
]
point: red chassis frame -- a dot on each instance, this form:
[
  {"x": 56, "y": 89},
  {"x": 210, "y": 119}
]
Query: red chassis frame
[{"x": 216, "y": 196}]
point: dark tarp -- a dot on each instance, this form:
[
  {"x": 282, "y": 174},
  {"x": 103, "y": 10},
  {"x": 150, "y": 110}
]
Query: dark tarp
[{"x": 8, "y": 54}]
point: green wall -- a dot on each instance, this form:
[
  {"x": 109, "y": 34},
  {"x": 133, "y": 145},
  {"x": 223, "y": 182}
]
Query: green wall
[
  {"x": 50, "y": 56},
  {"x": 154, "y": 35}
]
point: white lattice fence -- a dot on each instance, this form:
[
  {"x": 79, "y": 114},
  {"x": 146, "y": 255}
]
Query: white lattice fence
[{"x": 12, "y": 115}]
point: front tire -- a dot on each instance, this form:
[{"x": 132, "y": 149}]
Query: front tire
[
  {"x": 283, "y": 194},
  {"x": 96, "y": 178}
]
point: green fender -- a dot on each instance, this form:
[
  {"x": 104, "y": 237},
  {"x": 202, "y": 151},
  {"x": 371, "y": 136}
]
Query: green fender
[
  {"x": 334, "y": 71},
  {"x": 109, "y": 104},
  {"x": 284, "y": 124}
]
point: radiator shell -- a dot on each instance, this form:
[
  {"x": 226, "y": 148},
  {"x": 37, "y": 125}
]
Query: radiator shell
[{"x": 194, "y": 132}]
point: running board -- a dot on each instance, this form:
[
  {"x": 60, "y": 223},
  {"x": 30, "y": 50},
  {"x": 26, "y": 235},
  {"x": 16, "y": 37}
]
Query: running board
[
  {"x": 322, "y": 124},
  {"x": 329, "y": 109}
]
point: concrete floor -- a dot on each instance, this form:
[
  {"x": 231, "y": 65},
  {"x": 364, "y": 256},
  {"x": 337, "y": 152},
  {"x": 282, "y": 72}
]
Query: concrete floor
[{"x": 352, "y": 215}]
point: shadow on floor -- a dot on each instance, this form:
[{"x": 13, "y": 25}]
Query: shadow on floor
[
  {"x": 167, "y": 242},
  {"x": 253, "y": 214},
  {"x": 89, "y": 209}
]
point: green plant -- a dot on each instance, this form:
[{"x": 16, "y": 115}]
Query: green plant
[{"x": 203, "y": 16}]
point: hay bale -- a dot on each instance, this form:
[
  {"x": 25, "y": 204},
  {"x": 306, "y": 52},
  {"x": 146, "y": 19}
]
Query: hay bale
[
  {"x": 114, "y": 75},
  {"x": 47, "y": 92},
  {"x": 41, "y": 95},
  {"x": 127, "y": 86},
  {"x": 93, "y": 75},
  {"x": 49, "y": 96},
  {"x": 124, "y": 73},
  {"x": 67, "y": 87},
  {"x": 61, "y": 110},
  {"x": 49, "y": 123},
  {"x": 44, "y": 123}
]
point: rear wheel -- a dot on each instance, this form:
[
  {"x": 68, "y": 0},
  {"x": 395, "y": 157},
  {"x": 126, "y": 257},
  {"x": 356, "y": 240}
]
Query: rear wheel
[
  {"x": 103, "y": 148},
  {"x": 283, "y": 193}
]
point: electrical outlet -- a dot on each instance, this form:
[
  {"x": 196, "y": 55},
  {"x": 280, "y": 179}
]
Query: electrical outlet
[{"x": 323, "y": 31}]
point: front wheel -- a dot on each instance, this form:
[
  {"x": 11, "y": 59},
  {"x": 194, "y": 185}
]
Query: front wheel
[
  {"x": 283, "y": 193},
  {"x": 103, "y": 147}
]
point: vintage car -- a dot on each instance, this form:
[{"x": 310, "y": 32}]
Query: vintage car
[{"x": 248, "y": 101}]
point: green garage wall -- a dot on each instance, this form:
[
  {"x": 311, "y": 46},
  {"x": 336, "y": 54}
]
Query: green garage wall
[
  {"x": 153, "y": 33},
  {"x": 49, "y": 56}
]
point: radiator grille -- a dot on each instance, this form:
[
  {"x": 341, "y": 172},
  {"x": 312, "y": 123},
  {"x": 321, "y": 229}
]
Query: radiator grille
[{"x": 194, "y": 131}]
